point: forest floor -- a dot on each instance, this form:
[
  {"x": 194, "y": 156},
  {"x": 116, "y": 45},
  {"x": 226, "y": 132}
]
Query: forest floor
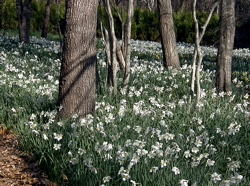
[{"x": 17, "y": 167}]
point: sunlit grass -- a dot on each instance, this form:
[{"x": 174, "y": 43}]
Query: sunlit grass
[{"x": 147, "y": 135}]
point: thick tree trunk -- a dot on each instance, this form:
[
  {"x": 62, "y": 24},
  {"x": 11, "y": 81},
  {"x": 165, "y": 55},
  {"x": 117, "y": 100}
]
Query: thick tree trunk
[
  {"x": 23, "y": 15},
  {"x": 46, "y": 19},
  {"x": 224, "y": 56},
  {"x": 168, "y": 40},
  {"x": 78, "y": 69}
]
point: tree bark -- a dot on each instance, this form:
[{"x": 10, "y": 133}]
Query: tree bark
[
  {"x": 23, "y": 15},
  {"x": 78, "y": 69},
  {"x": 58, "y": 24},
  {"x": 196, "y": 65},
  {"x": 168, "y": 40},
  {"x": 127, "y": 42},
  {"x": 120, "y": 57},
  {"x": 224, "y": 56},
  {"x": 1, "y": 6},
  {"x": 46, "y": 19},
  {"x": 112, "y": 71}
]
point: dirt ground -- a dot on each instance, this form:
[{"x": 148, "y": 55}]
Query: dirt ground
[{"x": 16, "y": 167}]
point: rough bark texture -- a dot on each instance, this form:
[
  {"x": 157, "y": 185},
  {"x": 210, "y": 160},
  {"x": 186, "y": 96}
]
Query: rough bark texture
[
  {"x": 168, "y": 39},
  {"x": 224, "y": 57},
  {"x": 23, "y": 15},
  {"x": 46, "y": 19},
  {"x": 78, "y": 69}
]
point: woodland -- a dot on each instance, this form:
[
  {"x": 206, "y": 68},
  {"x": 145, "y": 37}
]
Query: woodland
[{"x": 125, "y": 92}]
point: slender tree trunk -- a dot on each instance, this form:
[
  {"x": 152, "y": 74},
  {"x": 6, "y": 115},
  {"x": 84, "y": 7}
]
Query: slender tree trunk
[
  {"x": 120, "y": 57},
  {"x": 108, "y": 51},
  {"x": 108, "y": 59},
  {"x": 168, "y": 40},
  {"x": 192, "y": 86},
  {"x": 113, "y": 41},
  {"x": 224, "y": 56},
  {"x": 58, "y": 24},
  {"x": 78, "y": 69},
  {"x": 113, "y": 49},
  {"x": 23, "y": 15},
  {"x": 127, "y": 43},
  {"x": 196, "y": 66},
  {"x": 46, "y": 19},
  {"x": 120, "y": 50},
  {"x": 1, "y": 16}
]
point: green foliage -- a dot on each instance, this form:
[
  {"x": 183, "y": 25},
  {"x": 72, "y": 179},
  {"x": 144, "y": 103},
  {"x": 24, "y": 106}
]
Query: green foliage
[
  {"x": 57, "y": 15},
  {"x": 9, "y": 19},
  {"x": 211, "y": 36},
  {"x": 184, "y": 27},
  {"x": 146, "y": 24},
  {"x": 37, "y": 15}
]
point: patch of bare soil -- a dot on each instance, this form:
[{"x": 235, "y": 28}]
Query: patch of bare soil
[{"x": 16, "y": 167}]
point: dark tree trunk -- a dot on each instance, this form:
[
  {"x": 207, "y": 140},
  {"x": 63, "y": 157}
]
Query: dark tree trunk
[
  {"x": 224, "y": 57},
  {"x": 1, "y": 6},
  {"x": 168, "y": 40},
  {"x": 23, "y": 15},
  {"x": 78, "y": 69},
  {"x": 46, "y": 19}
]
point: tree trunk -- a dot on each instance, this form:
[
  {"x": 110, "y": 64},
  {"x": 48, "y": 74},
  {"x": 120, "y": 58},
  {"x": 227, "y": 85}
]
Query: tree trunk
[
  {"x": 224, "y": 56},
  {"x": 46, "y": 19},
  {"x": 127, "y": 43},
  {"x": 1, "y": 6},
  {"x": 123, "y": 52},
  {"x": 23, "y": 15},
  {"x": 168, "y": 40},
  {"x": 108, "y": 59},
  {"x": 120, "y": 57},
  {"x": 78, "y": 69},
  {"x": 112, "y": 71},
  {"x": 58, "y": 25},
  {"x": 196, "y": 64}
]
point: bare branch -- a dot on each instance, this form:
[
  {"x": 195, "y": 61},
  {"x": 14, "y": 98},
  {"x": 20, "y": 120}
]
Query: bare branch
[{"x": 204, "y": 27}]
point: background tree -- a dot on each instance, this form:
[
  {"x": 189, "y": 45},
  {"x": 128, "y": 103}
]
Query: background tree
[
  {"x": 168, "y": 40},
  {"x": 196, "y": 63},
  {"x": 78, "y": 69},
  {"x": 116, "y": 52},
  {"x": 46, "y": 19},
  {"x": 126, "y": 42},
  {"x": 1, "y": 6},
  {"x": 23, "y": 16},
  {"x": 58, "y": 23},
  {"x": 111, "y": 42},
  {"x": 226, "y": 44}
]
